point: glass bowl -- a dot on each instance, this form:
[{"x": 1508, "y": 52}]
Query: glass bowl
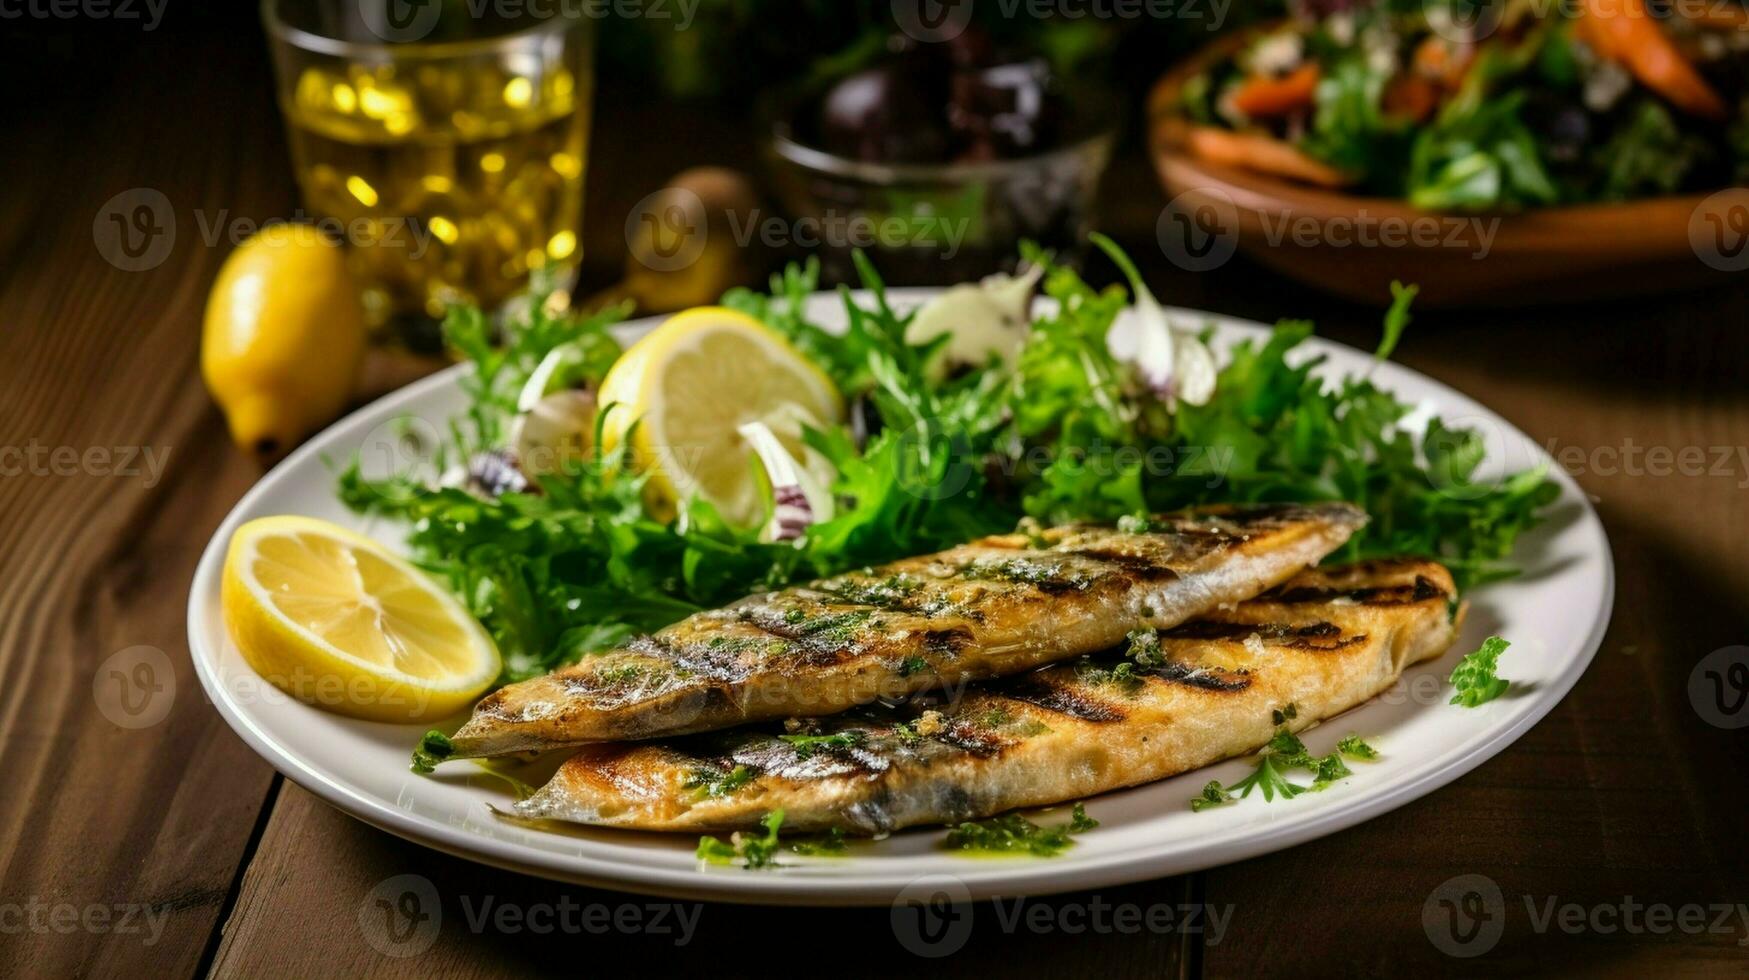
[{"x": 937, "y": 224}]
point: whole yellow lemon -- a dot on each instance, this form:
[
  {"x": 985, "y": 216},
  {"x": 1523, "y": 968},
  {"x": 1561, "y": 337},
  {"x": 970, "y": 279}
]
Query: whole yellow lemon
[{"x": 285, "y": 332}]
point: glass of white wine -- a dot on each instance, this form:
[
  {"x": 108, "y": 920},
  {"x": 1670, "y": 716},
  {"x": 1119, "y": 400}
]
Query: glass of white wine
[{"x": 444, "y": 142}]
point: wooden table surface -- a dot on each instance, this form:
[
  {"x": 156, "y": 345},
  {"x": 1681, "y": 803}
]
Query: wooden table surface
[{"x": 171, "y": 849}]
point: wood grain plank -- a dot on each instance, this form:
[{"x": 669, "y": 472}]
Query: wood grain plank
[
  {"x": 108, "y": 816},
  {"x": 1623, "y": 791},
  {"x": 309, "y": 907}
]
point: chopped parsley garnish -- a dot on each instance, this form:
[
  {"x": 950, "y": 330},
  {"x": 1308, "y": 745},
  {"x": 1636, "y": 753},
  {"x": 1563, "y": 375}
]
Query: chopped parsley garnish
[
  {"x": 1474, "y": 676},
  {"x": 1284, "y": 754},
  {"x": 831, "y": 627},
  {"x": 890, "y": 591},
  {"x": 1283, "y": 715},
  {"x": 1137, "y": 524},
  {"x": 1027, "y": 571},
  {"x": 713, "y": 782},
  {"x": 1354, "y": 748},
  {"x": 1035, "y": 534},
  {"x": 754, "y": 851},
  {"x": 830, "y": 843},
  {"x": 1011, "y": 833},
  {"x": 1145, "y": 648},
  {"x": 1121, "y": 676},
  {"x": 619, "y": 673},
  {"x": 1326, "y": 769},
  {"x": 912, "y": 665},
  {"x": 1211, "y": 795},
  {"x": 432, "y": 749},
  {"x": 807, "y": 745}
]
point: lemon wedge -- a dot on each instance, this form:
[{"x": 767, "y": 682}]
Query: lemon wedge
[
  {"x": 685, "y": 390},
  {"x": 336, "y": 620}
]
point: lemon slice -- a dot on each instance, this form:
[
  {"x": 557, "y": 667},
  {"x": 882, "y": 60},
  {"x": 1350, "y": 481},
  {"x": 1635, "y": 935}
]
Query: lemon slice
[
  {"x": 690, "y": 385},
  {"x": 336, "y": 620}
]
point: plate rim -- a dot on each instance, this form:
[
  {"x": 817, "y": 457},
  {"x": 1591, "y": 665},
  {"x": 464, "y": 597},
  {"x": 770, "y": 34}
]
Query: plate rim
[{"x": 864, "y": 889}]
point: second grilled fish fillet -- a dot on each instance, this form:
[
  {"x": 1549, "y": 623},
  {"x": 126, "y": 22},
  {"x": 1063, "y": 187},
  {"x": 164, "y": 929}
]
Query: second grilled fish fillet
[
  {"x": 997, "y": 606},
  {"x": 1325, "y": 642}
]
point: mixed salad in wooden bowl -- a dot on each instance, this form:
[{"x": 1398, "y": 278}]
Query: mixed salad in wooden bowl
[{"x": 1451, "y": 105}]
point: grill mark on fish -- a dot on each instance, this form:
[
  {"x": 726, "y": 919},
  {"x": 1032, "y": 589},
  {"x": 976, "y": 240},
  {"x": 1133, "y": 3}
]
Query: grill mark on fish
[
  {"x": 1138, "y": 566},
  {"x": 1314, "y": 636},
  {"x": 1201, "y": 678},
  {"x": 822, "y": 640},
  {"x": 971, "y": 738},
  {"x": 1001, "y": 605},
  {"x": 948, "y": 642},
  {"x": 1402, "y": 594},
  {"x": 1062, "y": 699}
]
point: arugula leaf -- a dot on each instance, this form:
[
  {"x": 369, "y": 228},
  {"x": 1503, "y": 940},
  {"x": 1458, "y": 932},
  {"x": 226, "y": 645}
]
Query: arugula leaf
[
  {"x": 1349, "y": 130},
  {"x": 1474, "y": 677},
  {"x": 1479, "y": 153},
  {"x": 1396, "y": 319}
]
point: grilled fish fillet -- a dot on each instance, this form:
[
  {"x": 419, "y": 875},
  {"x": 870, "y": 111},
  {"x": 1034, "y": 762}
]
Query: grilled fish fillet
[
  {"x": 1324, "y": 642},
  {"x": 997, "y": 606}
]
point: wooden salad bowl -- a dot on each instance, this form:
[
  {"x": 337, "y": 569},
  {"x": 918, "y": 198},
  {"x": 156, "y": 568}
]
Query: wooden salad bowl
[{"x": 1354, "y": 246}]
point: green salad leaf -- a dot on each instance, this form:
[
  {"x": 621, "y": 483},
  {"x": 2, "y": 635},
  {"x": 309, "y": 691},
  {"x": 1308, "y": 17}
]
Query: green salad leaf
[
  {"x": 575, "y": 563},
  {"x": 1648, "y": 154},
  {"x": 1479, "y": 153}
]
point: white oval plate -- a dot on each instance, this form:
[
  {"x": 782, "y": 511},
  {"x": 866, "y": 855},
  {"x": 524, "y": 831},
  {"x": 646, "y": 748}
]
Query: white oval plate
[{"x": 1555, "y": 615}]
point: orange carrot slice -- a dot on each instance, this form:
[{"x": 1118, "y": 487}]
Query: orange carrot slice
[
  {"x": 1265, "y": 97},
  {"x": 1265, "y": 154},
  {"x": 1410, "y": 96},
  {"x": 1623, "y": 31}
]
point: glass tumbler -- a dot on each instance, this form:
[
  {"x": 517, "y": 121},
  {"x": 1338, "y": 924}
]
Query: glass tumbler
[{"x": 443, "y": 143}]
